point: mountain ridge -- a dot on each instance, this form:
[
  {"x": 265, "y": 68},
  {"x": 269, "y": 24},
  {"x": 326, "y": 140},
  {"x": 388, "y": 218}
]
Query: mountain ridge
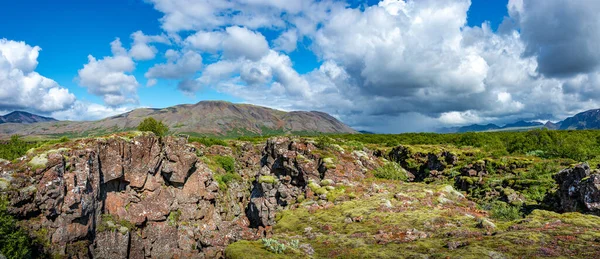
[
  {"x": 589, "y": 119},
  {"x": 215, "y": 118},
  {"x": 24, "y": 117}
]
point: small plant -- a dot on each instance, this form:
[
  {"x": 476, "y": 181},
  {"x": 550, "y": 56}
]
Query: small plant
[
  {"x": 226, "y": 162},
  {"x": 151, "y": 124},
  {"x": 295, "y": 243},
  {"x": 174, "y": 217},
  {"x": 391, "y": 171},
  {"x": 324, "y": 142},
  {"x": 273, "y": 245},
  {"x": 503, "y": 211}
]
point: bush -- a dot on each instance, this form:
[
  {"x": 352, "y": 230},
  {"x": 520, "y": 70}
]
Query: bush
[
  {"x": 391, "y": 171},
  {"x": 14, "y": 242},
  {"x": 503, "y": 211},
  {"x": 208, "y": 141},
  {"x": 226, "y": 162},
  {"x": 157, "y": 127},
  {"x": 15, "y": 148}
]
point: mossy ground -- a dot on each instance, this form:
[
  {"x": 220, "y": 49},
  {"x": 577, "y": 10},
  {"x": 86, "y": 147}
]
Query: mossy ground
[{"x": 426, "y": 220}]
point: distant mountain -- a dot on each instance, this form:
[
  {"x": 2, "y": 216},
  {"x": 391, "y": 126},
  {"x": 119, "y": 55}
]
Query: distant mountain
[
  {"x": 522, "y": 123},
  {"x": 519, "y": 125},
  {"x": 552, "y": 125},
  {"x": 23, "y": 117},
  {"x": 583, "y": 120},
  {"x": 216, "y": 118},
  {"x": 477, "y": 127}
]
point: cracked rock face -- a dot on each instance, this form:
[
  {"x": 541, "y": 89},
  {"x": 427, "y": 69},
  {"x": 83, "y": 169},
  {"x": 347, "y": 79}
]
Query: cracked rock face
[
  {"x": 287, "y": 167},
  {"x": 579, "y": 189},
  {"x": 114, "y": 198},
  {"x": 144, "y": 197}
]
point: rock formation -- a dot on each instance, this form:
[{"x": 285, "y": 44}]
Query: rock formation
[
  {"x": 579, "y": 189},
  {"x": 143, "y": 196}
]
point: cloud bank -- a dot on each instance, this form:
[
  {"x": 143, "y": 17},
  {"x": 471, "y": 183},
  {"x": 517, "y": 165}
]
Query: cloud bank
[{"x": 398, "y": 65}]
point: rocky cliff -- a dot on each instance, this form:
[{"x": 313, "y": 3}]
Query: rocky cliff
[{"x": 137, "y": 196}]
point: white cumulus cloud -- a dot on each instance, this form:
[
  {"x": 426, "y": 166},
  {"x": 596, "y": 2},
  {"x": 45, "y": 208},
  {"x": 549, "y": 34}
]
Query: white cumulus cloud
[
  {"x": 110, "y": 77},
  {"x": 23, "y": 88}
]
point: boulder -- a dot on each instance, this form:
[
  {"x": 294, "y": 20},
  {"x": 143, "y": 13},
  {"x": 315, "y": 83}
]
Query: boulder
[{"x": 579, "y": 189}]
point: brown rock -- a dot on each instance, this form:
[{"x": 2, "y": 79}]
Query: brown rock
[{"x": 111, "y": 244}]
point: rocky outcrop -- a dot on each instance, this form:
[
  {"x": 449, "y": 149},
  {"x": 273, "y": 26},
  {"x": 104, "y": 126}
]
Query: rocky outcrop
[
  {"x": 119, "y": 197},
  {"x": 423, "y": 164},
  {"x": 292, "y": 170},
  {"x": 137, "y": 196},
  {"x": 579, "y": 189}
]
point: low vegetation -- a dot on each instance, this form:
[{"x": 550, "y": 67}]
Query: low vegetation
[
  {"x": 14, "y": 242},
  {"x": 151, "y": 124},
  {"x": 207, "y": 141},
  {"x": 489, "y": 196}
]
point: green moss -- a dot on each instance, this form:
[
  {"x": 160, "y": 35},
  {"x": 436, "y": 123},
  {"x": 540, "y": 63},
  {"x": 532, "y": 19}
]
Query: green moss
[
  {"x": 224, "y": 179},
  {"x": 336, "y": 193},
  {"x": 329, "y": 162},
  {"x": 267, "y": 179},
  {"x": 173, "y": 218},
  {"x": 326, "y": 182},
  {"x": 110, "y": 223},
  {"x": 38, "y": 161},
  {"x": 242, "y": 249}
]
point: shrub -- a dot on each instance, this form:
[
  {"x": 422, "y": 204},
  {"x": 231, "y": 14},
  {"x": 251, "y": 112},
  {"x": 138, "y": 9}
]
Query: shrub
[
  {"x": 224, "y": 179},
  {"x": 503, "y": 211},
  {"x": 208, "y": 141},
  {"x": 15, "y": 148},
  {"x": 391, "y": 171},
  {"x": 14, "y": 242},
  {"x": 226, "y": 162},
  {"x": 157, "y": 127}
]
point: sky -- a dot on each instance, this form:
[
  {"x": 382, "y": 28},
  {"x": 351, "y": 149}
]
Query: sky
[{"x": 385, "y": 66}]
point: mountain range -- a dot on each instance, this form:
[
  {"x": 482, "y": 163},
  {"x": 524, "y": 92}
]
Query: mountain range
[
  {"x": 584, "y": 120},
  {"x": 23, "y": 117},
  {"x": 219, "y": 118},
  {"x": 215, "y": 118}
]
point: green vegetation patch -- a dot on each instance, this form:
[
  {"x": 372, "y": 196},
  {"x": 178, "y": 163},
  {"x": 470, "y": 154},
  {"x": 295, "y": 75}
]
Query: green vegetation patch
[
  {"x": 208, "y": 141},
  {"x": 151, "y": 124},
  {"x": 14, "y": 242},
  {"x": 391, "y": 171}
]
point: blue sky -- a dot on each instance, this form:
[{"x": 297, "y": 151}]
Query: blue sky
[{"x": 299, "y": 55}]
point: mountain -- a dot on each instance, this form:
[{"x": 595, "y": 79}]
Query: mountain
[
  {"x": 477, "y": 127},
  {"x": 583, "y": 120},
  {"x": 23, "y": 117},
  {"x": 552, "y": 125},
  {"x": 522, "y": 123},
  {"x": 216, "y": 118}
]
